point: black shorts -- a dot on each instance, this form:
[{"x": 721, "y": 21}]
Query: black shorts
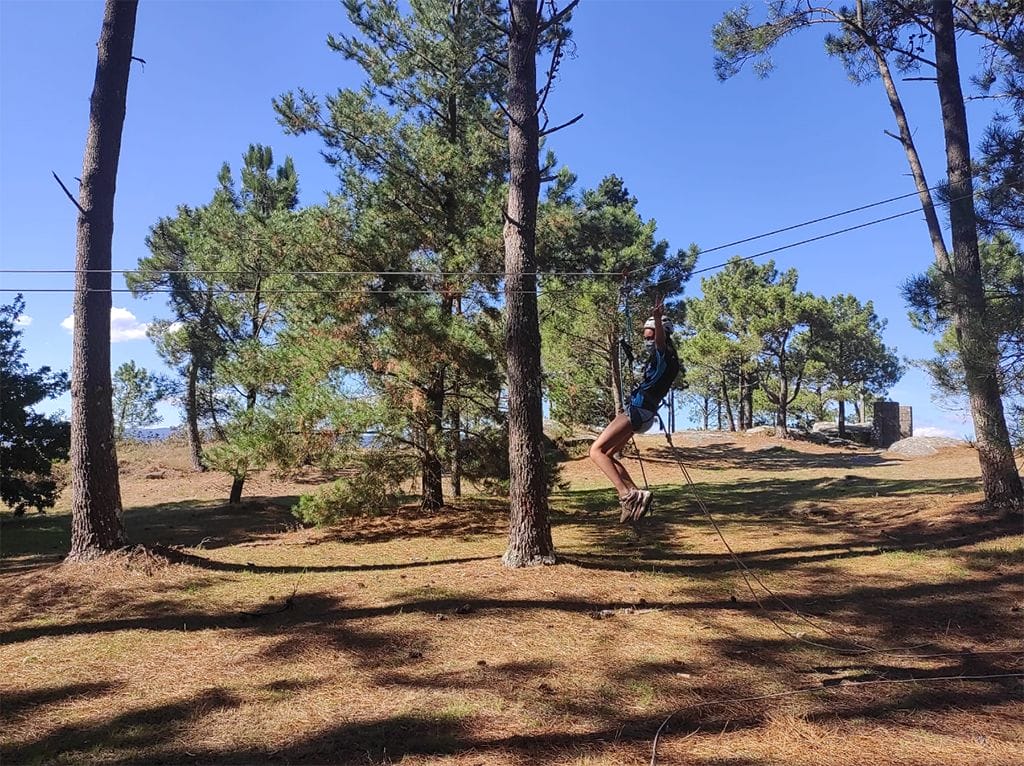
[{"x": 642, "y": 420}]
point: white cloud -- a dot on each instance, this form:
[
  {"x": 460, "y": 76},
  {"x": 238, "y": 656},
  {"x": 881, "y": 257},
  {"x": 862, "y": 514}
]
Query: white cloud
[
  {"x": 123, "y": 325},
  {"x": 23, "y": 320},
  {"x": 934, "y": 431}
]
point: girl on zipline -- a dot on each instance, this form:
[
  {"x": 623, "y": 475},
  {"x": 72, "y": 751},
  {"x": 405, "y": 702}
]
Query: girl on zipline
[{"x": 660, "y": 371}]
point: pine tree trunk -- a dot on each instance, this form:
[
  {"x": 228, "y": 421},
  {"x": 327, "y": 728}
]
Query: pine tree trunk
[
  {"x": 195, "y": 444},
  {"x": 432, "y": 498},
  {"x": 783, "y": 411},
  {"x": 978, "y": 350},
  {"x": 728, "y": 404},
  {"x": 1000, "y": 480},
  {"x": 455, "y": 429},
  {"x": 529, "y": 540},
  {"x": 95, "y": 490},
  {"x": 842, "y": 419},
  {"x": 238, "y": 483},
  {"x": 751, "y": 382},
  {"x": 456, "y": 422},
  {"x": 745, "y": 402},
  {"x": 615, "y": 365}
]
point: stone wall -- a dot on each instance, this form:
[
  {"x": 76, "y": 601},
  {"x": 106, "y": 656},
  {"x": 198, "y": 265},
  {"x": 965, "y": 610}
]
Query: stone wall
[
  {"x": 885, "y": 425},
  {"x": 906, "y": 421}
]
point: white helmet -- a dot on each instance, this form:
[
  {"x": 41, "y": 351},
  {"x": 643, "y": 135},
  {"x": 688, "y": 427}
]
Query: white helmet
[{"x": 666, "y": 324}]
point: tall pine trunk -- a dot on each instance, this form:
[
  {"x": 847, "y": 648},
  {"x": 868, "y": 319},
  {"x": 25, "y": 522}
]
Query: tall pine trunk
[
  {"x": 432, "y": 498},
  {"x": 842, "y": 419},
  {"x": 95, "y": 490},
  {"x": 195, "y": 443},
  {"x": 615, "y": 365},
  {"x": 728, "y": 404},
  {"x": 529, "y": 539},
  {"x": 238, "y": 483},
  {"x": 456, "y": 421},
  {"x": 741, "y": 400},
  {"x": 782, "y": 414},
  {"x": 978, "y": 351},
  {"x": 751, "y": 383},
  {"x": 1000, "y": 480}
]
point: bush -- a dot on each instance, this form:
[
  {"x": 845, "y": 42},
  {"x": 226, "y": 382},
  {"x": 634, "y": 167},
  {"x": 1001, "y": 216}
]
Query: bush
[
  {"x": 485, "y": 461},
  {"x": 374, "y": 488}
]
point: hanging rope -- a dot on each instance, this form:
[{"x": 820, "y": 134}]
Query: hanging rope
[{"x": 626, "y": 350}]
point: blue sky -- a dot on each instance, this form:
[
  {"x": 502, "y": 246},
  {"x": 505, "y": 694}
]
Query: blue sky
[{"x": 711, "y": 162}]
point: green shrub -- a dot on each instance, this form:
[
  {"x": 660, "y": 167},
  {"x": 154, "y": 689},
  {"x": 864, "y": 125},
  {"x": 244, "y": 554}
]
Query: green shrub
[{"x": 374, "y": 488}]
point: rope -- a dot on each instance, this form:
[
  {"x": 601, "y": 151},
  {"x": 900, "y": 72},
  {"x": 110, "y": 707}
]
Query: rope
[
  {"x": 625, "y": 347},
  {"x": 580, "y": 274},
  {"x": 747, "y": 574}
]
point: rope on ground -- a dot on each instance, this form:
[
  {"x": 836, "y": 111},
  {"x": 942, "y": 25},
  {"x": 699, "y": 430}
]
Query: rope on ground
[{"x": 747, "y": 574}]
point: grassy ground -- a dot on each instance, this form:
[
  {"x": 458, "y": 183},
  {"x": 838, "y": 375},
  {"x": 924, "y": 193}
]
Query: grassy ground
[{"x": 402, "y": 639}]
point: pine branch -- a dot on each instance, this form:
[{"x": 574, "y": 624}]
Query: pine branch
[
  {"x": 556, "y": 56},
  {"x": 557, "y": 18},
  {"x": 573, "y": 121},
  {"x": 73, "y": 200}
]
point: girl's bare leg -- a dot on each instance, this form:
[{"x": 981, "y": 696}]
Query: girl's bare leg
[{"x": 611, "y": 440}]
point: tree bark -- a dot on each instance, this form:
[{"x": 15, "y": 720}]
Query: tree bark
[
  {"x": 842, "y": 419},
  {"x": 728, "y": 404},
  {"x": 237, "y": 484},
  {"x": 457, "y": 422},
  {"x": 195, "y": 443},
  {"x": 906, "y": 139},
  {"x": 978, "y": 350},
  {"x": 783, "y": 411},
  {"x": 95, "y": 489},
  {"x": 431, "y": 468},
  {"x": 741, "y": 403},
  {"x": 615, "y": 365},
  {"x": 529, "y": 540}
]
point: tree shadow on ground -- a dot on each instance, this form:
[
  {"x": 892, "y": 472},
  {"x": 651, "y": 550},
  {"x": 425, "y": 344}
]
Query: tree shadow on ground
[
  {"x": 971, "y": 605},
  {"x": 189, "y": 523},
  {"x": 21, "y": 702},
  {"x": 809, "y": 507},
  {"x": 130, "y": 732},
  {"x": 317, "y": 622},
  {"x": 391, "y": 737},
  {"x": 758, "y": 457},
  {"x": 766, "y": 499},
  {"x": 30, "y": 541}
]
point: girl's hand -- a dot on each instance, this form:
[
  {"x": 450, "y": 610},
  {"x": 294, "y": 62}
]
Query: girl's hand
[{"x": 659, "y": 307}]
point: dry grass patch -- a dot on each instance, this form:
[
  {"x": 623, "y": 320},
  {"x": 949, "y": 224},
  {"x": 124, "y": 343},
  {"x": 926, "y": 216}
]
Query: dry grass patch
[{"x": 402, "y": 639}]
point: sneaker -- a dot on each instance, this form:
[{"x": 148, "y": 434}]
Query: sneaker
[
  {"x": 643, "y": 504},
  {"x": 628, "y": 505}
]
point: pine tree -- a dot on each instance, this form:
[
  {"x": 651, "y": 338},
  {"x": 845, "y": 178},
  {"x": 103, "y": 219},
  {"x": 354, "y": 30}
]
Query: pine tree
[
  {"x": 181, "y": 265},
  {"x": 228, "y": 267},
  {"x": 421, "y": 159},
  {"x": 853, "y": 358},
  {"x": 1002, "y": 266},
  {"x": 600, "y": 232},
  {"x": 95, "y": 490},
  {"x": 137, "y": 391},
  {"x": 873, "y": 38},
  {"x": 29, "y": 442}
]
